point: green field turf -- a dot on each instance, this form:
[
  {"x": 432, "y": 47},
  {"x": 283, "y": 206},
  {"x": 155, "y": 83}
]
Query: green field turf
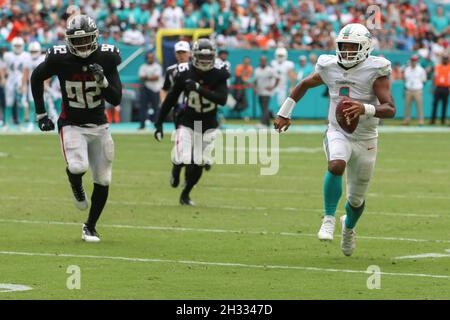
[{"x": 250, "y": 236}]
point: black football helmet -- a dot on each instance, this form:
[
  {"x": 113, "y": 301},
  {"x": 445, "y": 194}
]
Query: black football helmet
[
  {"x": 204, "y": 54},
  {"x": 81, "y": 35}
]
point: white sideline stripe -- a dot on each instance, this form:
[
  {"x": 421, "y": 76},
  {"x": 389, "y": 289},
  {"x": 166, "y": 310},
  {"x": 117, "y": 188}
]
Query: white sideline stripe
[
  {"x": 169, "y": 204},
  {"x": 219, "y": 264},
  {"x": 183, "y": 229},
  {"x": 130, "y": 58}
]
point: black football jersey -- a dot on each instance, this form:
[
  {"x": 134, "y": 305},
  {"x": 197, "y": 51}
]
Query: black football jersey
[
  {"x": 83, "y": 102},
  {"x": 199, "y": 105}
]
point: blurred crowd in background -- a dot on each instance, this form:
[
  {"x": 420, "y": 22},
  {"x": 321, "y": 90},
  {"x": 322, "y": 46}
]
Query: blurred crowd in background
[
  {"x": 309, "y": 24},
  {"x": 419, "y": 26}
]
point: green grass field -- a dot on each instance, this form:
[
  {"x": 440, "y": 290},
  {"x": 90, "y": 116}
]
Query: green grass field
[{"x": 250, "y": 236}]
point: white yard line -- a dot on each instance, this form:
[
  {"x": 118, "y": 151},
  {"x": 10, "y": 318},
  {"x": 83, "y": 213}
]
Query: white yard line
[
  {"x": 230, "y": 207},
  {"x": 219, "y": 264},
  {"x": 203, "y": 230},
  {"x": 426, "y": 256}
]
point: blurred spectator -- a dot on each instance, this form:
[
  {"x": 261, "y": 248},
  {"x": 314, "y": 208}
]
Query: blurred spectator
[
  {"x": 441, "y": 83},
  {"x": 415, "y": 77},
  {"x": 266, "y": 81},
  {"x": 209, "y": 10},
  {"x": 172, "y": 16},
  {"x": 243, "y": 74},
  {"x": 244, "y": 70},
  {"x": 304, "y": 68},
  {"x": 192, "y": 19},
  {"x": 222, "y": 20},
  {"x": 150, "y": 74},
  {"x": 439, "y": 21},
  {"x": 133, "y": 36},
  {"x": 397, "y": 72},
  {"x": 2, "y": 89}
]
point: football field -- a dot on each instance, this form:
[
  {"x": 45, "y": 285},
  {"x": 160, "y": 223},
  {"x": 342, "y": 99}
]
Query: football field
[{"x": 249, "y": 237}]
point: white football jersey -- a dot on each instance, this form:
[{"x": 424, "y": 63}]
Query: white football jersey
[
  {"x": 32, "y": 63},
  {"x": 356, "y": 83},
  {"x": 15, "y": 65},
  {"x": 282, "y": 70}
]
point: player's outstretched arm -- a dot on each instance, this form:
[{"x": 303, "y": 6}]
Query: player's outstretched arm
[
  {"x": 39, "y": 75},
  {"x": 386, "y": 108},
  {"x": 169, "y": 102},
  {"x": 283, "y": 120}
]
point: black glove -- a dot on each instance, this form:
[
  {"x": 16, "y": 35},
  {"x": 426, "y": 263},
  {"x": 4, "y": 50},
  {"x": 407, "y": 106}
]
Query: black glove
[
  {"x": 191, "y": 85},
  {"x": 97, "y": 70},
  {"x": 45, "y": 124},
  {"x": 159, "y": 134}
]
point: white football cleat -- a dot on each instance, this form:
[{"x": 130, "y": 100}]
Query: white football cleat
[
  {"x": 326, "y": 231},
  {"x": 348, "y": 240},
  {"x": 89, "y": 235}
]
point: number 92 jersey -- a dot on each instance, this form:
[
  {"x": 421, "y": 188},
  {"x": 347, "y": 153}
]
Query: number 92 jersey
[
  {"x": 83, "y": 101},
  {"x": 201, "y": 105}
]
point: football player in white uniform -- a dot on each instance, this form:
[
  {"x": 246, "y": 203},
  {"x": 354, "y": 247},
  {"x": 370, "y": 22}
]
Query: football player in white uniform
[
  {"x": 15, "y": 62},
  {"x": 352, "y": 73},
  {"x": 285, "y": 71},
  {"x": 35, "y": 58}
]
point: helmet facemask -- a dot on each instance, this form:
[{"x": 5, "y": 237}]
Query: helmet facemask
[
  {"x": 204, "y": 61},
  {"x": 83, "y": 44},
  {"x": 350, "y": 58}
]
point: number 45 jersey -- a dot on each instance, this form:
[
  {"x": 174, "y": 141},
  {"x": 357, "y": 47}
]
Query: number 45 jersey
[
  {"x": 200, "y": 105},
  {"x": 83, "y": 102}
]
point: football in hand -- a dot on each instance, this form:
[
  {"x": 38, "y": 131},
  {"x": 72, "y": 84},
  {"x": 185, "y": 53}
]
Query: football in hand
[{"x": 344, "y": 122}]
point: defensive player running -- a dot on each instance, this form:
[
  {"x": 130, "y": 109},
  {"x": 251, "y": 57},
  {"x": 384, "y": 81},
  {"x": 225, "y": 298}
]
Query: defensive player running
[
  {"x": 204, "y": 85},
  {"x": 88, "y": 76},
  {"x": 353, "y": 73},
  {"x": 182, "y": 55}
]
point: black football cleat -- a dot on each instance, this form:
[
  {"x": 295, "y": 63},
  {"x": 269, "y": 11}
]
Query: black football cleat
[
  {"x": 79, "y": 197},
  {"x": 207, "y": 166},
  {"x": 185, "y": 200}
]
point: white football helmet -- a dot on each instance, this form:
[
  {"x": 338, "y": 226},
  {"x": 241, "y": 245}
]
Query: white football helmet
[
  {"x": 34, "y": 49},
  {"x": 281, "y": 54},
  {"x": 353, "y": 33},
  {"x": 17, "y": 44}
]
